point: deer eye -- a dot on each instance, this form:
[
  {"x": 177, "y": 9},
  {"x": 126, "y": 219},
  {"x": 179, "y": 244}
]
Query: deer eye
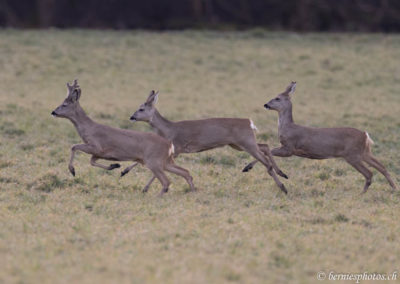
[
  {"x": 277, "y": 99},
  {"x": 141, "y": 109}
]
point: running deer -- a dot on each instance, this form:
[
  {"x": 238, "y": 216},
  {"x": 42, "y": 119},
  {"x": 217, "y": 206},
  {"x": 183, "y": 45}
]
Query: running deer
[
  {"x": 191, "y": 136},
  {"x": 114, "y": 144},
  {"x": 350, "y": 144}
]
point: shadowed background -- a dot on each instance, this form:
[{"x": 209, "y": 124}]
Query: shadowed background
[
  {"x": 298, "y": 15},
  {"x": 238, "y": 228}
]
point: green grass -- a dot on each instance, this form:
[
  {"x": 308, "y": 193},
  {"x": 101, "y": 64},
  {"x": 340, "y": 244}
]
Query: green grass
[{"x": 98, "y": 228}]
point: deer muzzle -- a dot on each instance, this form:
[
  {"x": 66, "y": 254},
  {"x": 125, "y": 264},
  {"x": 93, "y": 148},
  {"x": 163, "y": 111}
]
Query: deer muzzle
[
  {"x": 133, "y": 118},
  {"x": 53, "y": 113},
  {"x": 267, "y": 106}
]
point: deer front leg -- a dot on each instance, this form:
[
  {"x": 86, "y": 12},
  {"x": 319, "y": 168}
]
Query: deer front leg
[
  {"x": 109, "y": 168},
  {"x": 127, "y": 170},
  {"x": 249, "y": 166},
  {"x": 280, "y": 152},
  {"x": 86, "y": 148},
  {"x": 283, "y": 151}
]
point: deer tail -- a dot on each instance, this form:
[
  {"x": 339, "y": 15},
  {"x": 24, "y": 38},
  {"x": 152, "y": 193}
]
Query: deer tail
[
  {"x": 368, "y": 141},
  {"x": 253, "y": 126},
  {"x": 171, "y": 150}
]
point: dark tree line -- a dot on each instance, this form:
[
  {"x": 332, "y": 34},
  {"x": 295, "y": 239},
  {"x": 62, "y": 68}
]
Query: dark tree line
[{"x": 297, "y": 15}]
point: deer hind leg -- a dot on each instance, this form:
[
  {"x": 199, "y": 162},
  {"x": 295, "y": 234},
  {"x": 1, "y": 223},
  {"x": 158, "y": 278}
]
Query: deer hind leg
[
  {"x": 146, "y": 188},
  {"x": 249, "y": 166},
  {"x": 265, "y": 149},
  {"x": 373, "y": 162},
  {"x": 160, "y": 175},
  {"x": 171, "y": 167},
  {"x": 358, "y": 165},
  {"x": 95, "y": 164},
  {"x": 256, "y": 153},
  {"x": 127, "y": 169}
]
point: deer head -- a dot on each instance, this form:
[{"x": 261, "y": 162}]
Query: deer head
[
  {"x": 146, "y": 110},
  {"x": 68, "y": 107},
  {"x": 282, "y": 101}
]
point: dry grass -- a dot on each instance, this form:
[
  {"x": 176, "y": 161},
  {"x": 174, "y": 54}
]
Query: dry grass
[{"x": 97, "y": 228}]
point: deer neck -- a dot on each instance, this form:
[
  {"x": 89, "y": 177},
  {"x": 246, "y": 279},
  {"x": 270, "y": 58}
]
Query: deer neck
[
  {"x": 161, "y": 125},
  {"x": 82, "y": 122},
  {"x": 285, "y": 119}
]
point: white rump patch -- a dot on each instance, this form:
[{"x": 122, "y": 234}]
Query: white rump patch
[
  {"x": 369, "y": 140},
  {"x": 171, "y": 150},
  {"x": 253, "y": 126}
]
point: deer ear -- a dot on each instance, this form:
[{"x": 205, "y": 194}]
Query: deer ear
[
  {"x": 152, "y": 99},
  {"x": 155, "y": 99},
  {"x": 75, "y": 95},
  {"x": 291, "y": 88}
]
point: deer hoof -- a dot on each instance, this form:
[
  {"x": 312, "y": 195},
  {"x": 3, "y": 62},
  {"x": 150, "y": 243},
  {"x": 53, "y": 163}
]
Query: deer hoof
[
  {"x": 146, "y": 189},
  {"x": 72, "y": 170},
  {"x": 114, "y": 166},
  {"x": 163, "y": 191},
  {"x": 124, "y": 172},
  {"x": 247, "y": 168},
  {"x": 282, "y": 174},
  {"x": 283, "y": 188}
]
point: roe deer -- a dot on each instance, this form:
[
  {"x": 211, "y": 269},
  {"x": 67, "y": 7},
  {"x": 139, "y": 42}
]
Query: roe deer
[
  {"x": 192, "y": 136},
  {"x": 350, "y": 144},
  {"x": 114, "y": 144}
]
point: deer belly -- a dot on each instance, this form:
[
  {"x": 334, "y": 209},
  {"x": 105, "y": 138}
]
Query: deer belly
[
  {"x": 200, "y": 147},
  {"x": 116, "y": 155},
  {"x": 304, "y": 154},
  {"x": 318, "y": 154}
]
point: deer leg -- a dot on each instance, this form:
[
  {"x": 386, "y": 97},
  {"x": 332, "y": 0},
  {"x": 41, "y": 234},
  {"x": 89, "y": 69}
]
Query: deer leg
[
  {"x": 109, "y": 168},
  {"x": 249, "y": 166},
  {"x": 86, "y": 148},
  {"x": 127, "y": 169},
  {"x": 373, "y": 162},
  {"x": 357, "y": 164},
  {"x": 280, "y": 152},
  {"x": 256, "y": 153},
  {"x": 181, "y": 172},
  {"x": 146, "y": 188},
  {"x": 160, "y": 175},
  {"x": 265, "y": 149}
]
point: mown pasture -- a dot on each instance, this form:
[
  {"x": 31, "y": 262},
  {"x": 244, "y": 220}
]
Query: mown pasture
[{"x": 99, "y": 228}]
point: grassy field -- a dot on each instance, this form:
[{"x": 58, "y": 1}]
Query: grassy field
[{"x": 98, "y": 228}]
